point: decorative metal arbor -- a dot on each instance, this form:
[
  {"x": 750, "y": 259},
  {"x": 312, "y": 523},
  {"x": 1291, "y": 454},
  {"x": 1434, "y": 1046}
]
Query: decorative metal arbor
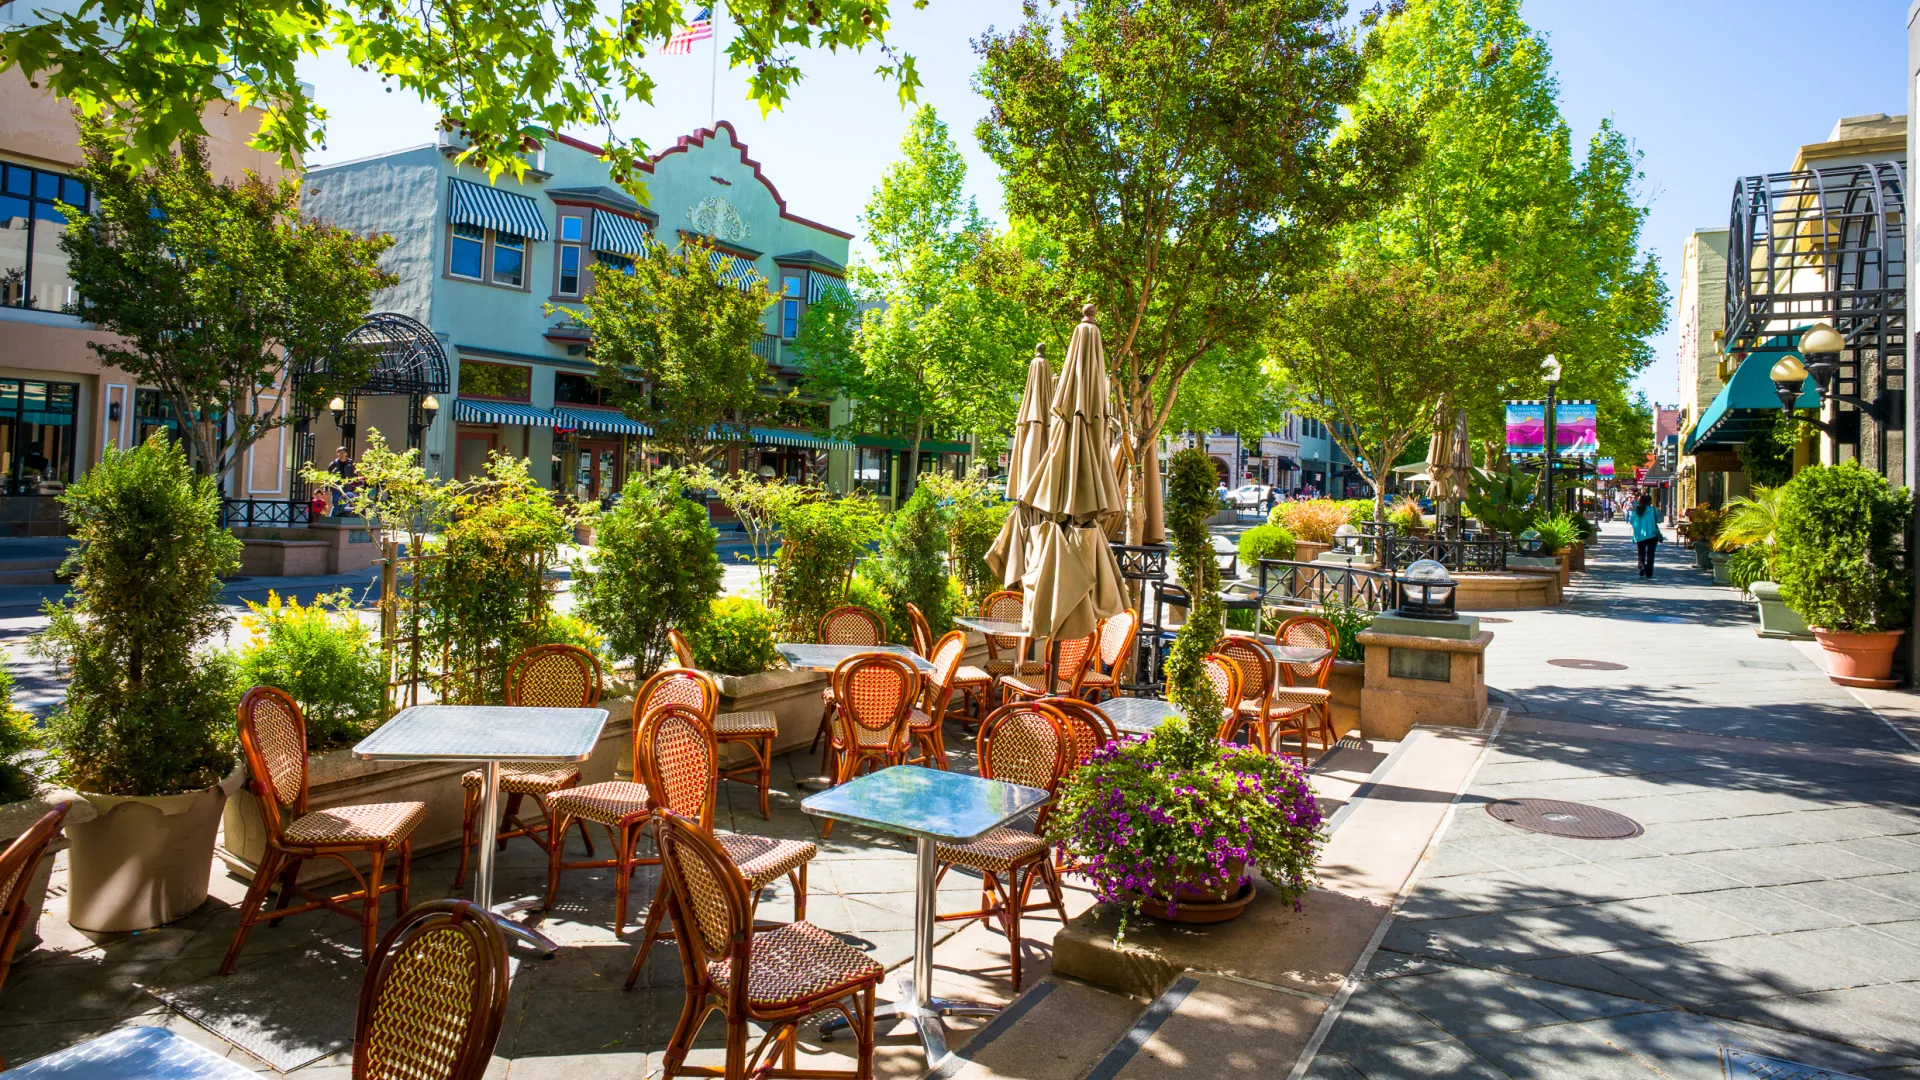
[{"x": 1829, "y": 245}]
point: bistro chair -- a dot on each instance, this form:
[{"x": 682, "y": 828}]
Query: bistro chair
[
  {"x": 776, "y": 978},
  {"x": 1088, "y": 728},
  {"x": 876, "y": 692},
  {"x": 1224, "y": 675},
  {"x": 847, "y": 625},
  {"x": 680, "y": 765},
  {"x": 273, "y": 735},
  {"x": 1250, "y": 713},
  {"x": 1022, "y": 743},
  {"x": 1074, "y": 656},
  {"x": 922, "y": 633},
  {"x": 19, "y": 869},
  {"x": 1008, "y": 604},
  {"x": 434, "y": 997},
  {"x": 621, "y": 806},
  {"x": 545, "y": 676},
  {"x": 1307, "y": 683},
  {"x": 927, "y": 721},
  {"x": 754, "y": 729},
  {"x": 1118, "y": 634}
]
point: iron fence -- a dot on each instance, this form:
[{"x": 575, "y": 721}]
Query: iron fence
[
  {"x": 1285, "y": 583},
  {"x": 1470, "y": 552},
  {"x": 264, "y": 513}
]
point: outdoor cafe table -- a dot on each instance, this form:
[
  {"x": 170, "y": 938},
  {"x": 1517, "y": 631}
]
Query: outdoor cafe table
[
  {"x": 1138, "y": 715},
  {"x": 932, "y": 806},
  {"x": 828, "y": 657},
  {"x": 134, "y": 1053},
  {"x": 993, "y": 627},
  {"x": 489, "y": 735}
]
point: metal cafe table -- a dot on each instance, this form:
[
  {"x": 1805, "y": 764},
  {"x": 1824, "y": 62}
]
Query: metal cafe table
[
  {"x": 932, "y": 806},
  {"x": 828, "y": 657},
  {"x": 134, "y": 1053},
  {"x": 488, "y": 735},
  {"x": 1138, "y": 715},
  {"x": 992, "y": 627}
]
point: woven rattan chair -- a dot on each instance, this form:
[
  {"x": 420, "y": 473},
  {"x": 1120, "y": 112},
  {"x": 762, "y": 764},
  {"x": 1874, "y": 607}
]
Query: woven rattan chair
[
  {"x": 434, "y": 998},
  {"x": 776, "y": 978},
  {"x": 1118, "y": 636},
  {"x": 548, "y": 677},
  {"x": 927, "y": 720},
  {"x": 754, "y": 729},
  {"x": 844, "y": 626},
  {"x": 680, "y": 764},
  {"x": 19, "y": 867},
  {"x": 621, "y": 806},
  {"x": 1088, "y": 728},
  {"x": 1075, "y": 657},
  {"x": 1307, "y": 683},
  {"x": 1023, "y": 743},
  {"x": 876, "y": 694},
  {"x": 1224, "y": 674},
  {"x": 922, "y": 632},
  {"x": 273, "y": 735},
  {"x": 1007, "y": 604}
]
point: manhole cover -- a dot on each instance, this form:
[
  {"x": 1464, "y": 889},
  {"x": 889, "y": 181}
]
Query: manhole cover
[
  {"x": 1589, "y": 665},
  {"x": 1570, "y": 819},
  {"x": 1747, "y": 1065}
]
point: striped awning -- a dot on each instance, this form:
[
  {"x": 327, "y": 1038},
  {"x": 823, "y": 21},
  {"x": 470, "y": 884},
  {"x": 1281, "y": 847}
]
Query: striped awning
[
  {"x": 614, "y": 234},
  {"x": 821, "y": 285},
  {"x": 778, "y": 437},
  {"x": 590, "y": 418},
  {"x": 467, "y": 411},
  {"x": 733, "y": 269},
  {"x": 489, "y": 207}
]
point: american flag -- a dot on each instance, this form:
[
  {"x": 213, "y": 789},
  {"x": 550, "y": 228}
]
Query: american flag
[{"x": 700, "y": 29}]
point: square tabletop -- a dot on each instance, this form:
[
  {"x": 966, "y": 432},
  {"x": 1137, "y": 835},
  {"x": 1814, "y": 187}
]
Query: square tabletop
[
  {"x": 1284, "y": 654},
  {"x": 485, "y": 733},
  {"x": 1138, "y": 715},
  {"x": 995, "y": 627},
  {"x": 828, "y": 657},
  {"x": 916, "y": 801},
  {"x": 134, "y": 1053}
]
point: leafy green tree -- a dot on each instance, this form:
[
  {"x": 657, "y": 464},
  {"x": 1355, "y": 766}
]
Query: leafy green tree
[
  {"x": 218, "y": 293},
  {"x": 498, "y": 71},
  {"x": 653, "y": 569},
  {"x": 911, "y": 565},
  {"x": 673, "y": 346}
]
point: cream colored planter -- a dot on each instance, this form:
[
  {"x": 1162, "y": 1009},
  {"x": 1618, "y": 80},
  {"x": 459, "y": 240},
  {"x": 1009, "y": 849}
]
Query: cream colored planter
[
  {"x": 142, "y": 862},
  {"x": 15, "y": 819},
  {"x": 337, "y": 778}
]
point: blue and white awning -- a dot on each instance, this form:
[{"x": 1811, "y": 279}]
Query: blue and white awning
[
  {"x": 777, "y": 437},
  {"x": 821, "y": 285},
  {"x": 733, "y": 269},
  {"x": 468, "y": 411},
  {"x": 589, "y": 418},
  {"x": 491, "y": 208},
  {"x": 614, "y": 234}
]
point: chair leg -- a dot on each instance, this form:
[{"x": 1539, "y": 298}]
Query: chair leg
[
  {"x": 469, "y": 807},
  {"x": 764, "y": 751},
  {"x": 650, "y": 930},
  {"x": 289, "y": 875},
  {"x": 736, "y": 1047},
  {"x": 1050, "y": 878},
  {"x": 623, "y": 884},
  {"x": 555, "y": 855},
  {"x": 263, "y": 876},
  {"x": 799, "y": 880},
  {"x": 406, "y": 878},
  {"x": 585, "y": 836},
  {"x": 1013, "y": 930},
  {"x": 370, "y": 916},
  {"x": 684, "y": 1030},
  {"x": 509, "y": 819},
  {"x": 863, "y": 1035},
  {"x": 824, "y": 730}
]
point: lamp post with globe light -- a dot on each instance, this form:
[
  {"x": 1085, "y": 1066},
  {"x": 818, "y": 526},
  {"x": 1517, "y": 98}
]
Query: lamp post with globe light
[{"x": 1550, "y": 371}]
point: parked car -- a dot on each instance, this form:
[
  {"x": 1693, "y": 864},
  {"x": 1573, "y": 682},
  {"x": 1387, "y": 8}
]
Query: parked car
[{"x": 1249, "y": 496}]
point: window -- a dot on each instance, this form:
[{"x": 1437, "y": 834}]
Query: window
[
  {"x": 790, "y": 307},
  {"x": 616, "y": 262},
  {"x": 873, "y": 470},
  {"x": 572, "y": 389},
  {"x": 37, "y": 435},
  {"x": 33, "y": 269},
  {"x": 509, "y": 260},
  {"x": 469, "y": 250},
  {"x": 573, "y": 230},
  {"x": 481, "y": 379},
  {"x": 480, "y": 254}
]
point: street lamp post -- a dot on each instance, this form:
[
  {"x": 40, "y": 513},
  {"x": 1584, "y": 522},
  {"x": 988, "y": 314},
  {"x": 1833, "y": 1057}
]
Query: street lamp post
[{"x": 1550, "y": 371}]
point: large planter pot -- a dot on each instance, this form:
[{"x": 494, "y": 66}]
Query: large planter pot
[
  {"x": 1181, "y": 902},
  {"x": 143, "y": 861},
  {"x": 1701, "y": 549},
  {"x": 1303, "y": 551},
  {"x": 1577, "y": 557},
  {"x": 1777, "y": 620},
  {"x": 15, "y": 819},
  {"x": 1720, "y": 560},
  {"x": 1859, "y": 659}
]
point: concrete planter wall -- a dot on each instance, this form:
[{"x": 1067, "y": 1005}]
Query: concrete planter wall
[
  {"x": 17, "y": 818},
  {"x": 1577, "y": 557},
  {"x": 1346, "y": 682},
  {"x": 283, "y": 558},
  {"x": 1305, "y": 551},
  {"x": 1777, "y": 620},
  {"x": 1507, "y": 591},
  {"x": 1720, "y": 560}
]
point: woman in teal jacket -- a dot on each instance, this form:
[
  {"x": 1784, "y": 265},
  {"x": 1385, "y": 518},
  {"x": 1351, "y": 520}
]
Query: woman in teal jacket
[{"x": 1646, "y": 531}]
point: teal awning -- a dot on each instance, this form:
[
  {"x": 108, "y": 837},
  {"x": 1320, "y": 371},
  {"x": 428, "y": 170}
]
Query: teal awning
[
  {"x": 592, "y": 418},
  {"x": 927, "y": 446},
  {"x": 468, "y": 411},
  {"x": 781, "y": 437},
  {"x": 616, "y": 235},
  {"x": 491, "y": 208},
  {"x": 1748, "y": 403}
]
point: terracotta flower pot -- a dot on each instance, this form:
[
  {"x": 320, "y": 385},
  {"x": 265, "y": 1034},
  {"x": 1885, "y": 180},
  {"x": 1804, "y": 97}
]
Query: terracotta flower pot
[
  {"x": 1859, "y": 659},
  {"x": 1184, "y": 902}
]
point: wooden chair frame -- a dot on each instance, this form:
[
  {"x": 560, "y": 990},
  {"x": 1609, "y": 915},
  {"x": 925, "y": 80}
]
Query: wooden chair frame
[
  {"x": 1325, "y": 635},
  {"x": 1120, "y": 636},
  {"x": 759, "y": 744},
  {"x": 1074, "y": 654},
  {"x": 418, "y": 936},
  {"x": 847, "y": 755},
  {"x": 19, "y": 866},
  {"x": 922, "y": 631},
  {"x": 936, "y": 694},
  {"x": 832, "y": 632}
]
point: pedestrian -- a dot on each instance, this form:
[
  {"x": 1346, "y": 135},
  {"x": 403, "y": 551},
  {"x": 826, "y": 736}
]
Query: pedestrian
[
  {"x": 1646, "y": 532},
  {"x": 342, "y": 467}
]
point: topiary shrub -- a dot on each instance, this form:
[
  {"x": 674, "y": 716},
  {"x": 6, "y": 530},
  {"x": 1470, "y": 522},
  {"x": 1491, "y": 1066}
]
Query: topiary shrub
[
  {"x": 324, "y": 657},
  {"x": 147, "y": 712},
  {"x": 736, "y": 638},
  {"x": 653, "y": 569},
  {"x": 1839, "y": 537},
  {"x": 820, "y": 540},
  {"x": 1265, "y": 542},
  {"x": 1190, "y": 502},
  {"x": 911, "y": 567}
]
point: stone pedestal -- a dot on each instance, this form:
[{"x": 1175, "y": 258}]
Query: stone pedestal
[
  {"x": 352, "y": 547},
  {"x": 1420, "y": 678},
  {"x": 1508, "y": 590},
  {"x": 1357, "y": 559}
]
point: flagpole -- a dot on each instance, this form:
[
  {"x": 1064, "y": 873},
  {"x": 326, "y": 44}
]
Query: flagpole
[{"x": 713, "y": 82}]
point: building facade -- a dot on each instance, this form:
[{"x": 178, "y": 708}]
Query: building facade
[{"x": 1701, "y": 317}]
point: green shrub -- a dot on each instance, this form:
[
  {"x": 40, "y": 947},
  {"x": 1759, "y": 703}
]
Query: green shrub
[
  {"x": 1405, "y": 517},
  {"x": 736, "y": 638},
  {"x": 820, "y": 540},
  {"x": 653, "y": 569},
  {"x": 1748, "y": 565},
  {"x": 1499, "y": 501},
  {"x": 863, "y": 591},
  {"x": 1558, "y": 532},
  {"x": 564, "y": 628},
  {"x": 1264, "y": 542},
  {"x": 976, "y": 510},
  {"x": 147, "y": 712},
  {"x": 324, "y": 657},
  {"x": 1351, "y": 620},
  {"x": 1190, "y": 501},
  {"x": 1839, "y": 536},
  {"x": 911, "y": 567},
  {"x": 1702, "y": 524},
  {"x": 19, "y": 737}
]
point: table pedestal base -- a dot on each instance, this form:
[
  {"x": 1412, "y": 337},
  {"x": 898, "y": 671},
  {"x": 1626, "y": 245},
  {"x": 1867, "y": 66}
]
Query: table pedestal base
[
  {"x": 502, "y": 914},
  {"x": 933, "y": 1034}
]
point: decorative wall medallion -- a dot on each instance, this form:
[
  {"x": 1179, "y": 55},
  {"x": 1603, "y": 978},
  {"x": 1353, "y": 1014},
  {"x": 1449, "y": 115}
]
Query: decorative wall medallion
[{"x": 716, "y": 217}]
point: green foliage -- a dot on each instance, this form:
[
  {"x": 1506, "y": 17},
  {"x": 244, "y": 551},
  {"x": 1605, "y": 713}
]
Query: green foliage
[
  {"x": 146, "y": 713},
  {"x": 499, "y": 73},
  {"x": 1748, "y": 565},
  {"x": 1839, "y": 535},
  {"x": 820, "y": 540},
  {"x": 653, "y": 569},
  {"x": 689, "y": 335},
  {"x": 216, "y": 293},
  {"x": 566, "y": 628},
  {"x": 1558, "y": 532},
  {"x": 976, "y": 511},
  {"x": 863, "y": 591},
  {"x": 1351, "y": 620},
  {"x": 1190, "y": 502},
  {"x": 1502, "y": 501},
  {"x": 324, "y": 657},
  {"x": 1702, "y": 524},
  {"x": 758, "y": 506},
  {"x": 1753, "y": 525},
  {"x": 396, "y": 495},
  {"x": 19, "y": 737},
  {"x": 1314, "y": 520},
  {"x": 736, "y": 638},
  {"x": 1405, "y": 517},
  {"x": 911, "y": 567},
  {"x": 1265, "y": 542},
  {"x": 481, "y": 379},
  {"x": 1767, "y": 455}
]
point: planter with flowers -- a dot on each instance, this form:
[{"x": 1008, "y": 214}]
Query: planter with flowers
[
  {"x": 1172, "y": 825},
  {"x": 1839, "y": 566}
]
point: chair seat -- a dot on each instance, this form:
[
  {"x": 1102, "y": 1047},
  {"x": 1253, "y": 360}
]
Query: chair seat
[
  {"x": 1096, "y": 678},
  {"x": 1018, "y": 684},
  {"x": 529, "y": 779},
  {"x": 755, "y": 722},
  {"x": 795, "y": 963},
  {"x": 997, "y": 852},
  {"x": 1293, "y": 698},
  {"x": 762, "y": 859},
  {"x": 968, "y": 675},
  {"x": 998, "y": 668},
  {"x": 370, "y": 823},
  {"x": 919, "y": 720},
  {"x": 609, "y": 803}
]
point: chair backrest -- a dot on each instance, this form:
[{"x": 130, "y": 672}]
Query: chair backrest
[
  {"x": 273, "y": 736},
  {"x": 557, "y": 676},
  {"x": 1005, "y": 604},
  {"x": 1313, "y": 632},
  {"x": 1088, "y": 727},
  {"x": 680, "y": 763},
  {"x": 1256, "y": 667},
  {"x": 682, "y": 651},
  {"x": 1076, "y": 659},
  {"x": 434, "y": 996},
  {"x": 17, "y": 866},
  {"x": 1224, "y": 674},
  {"x": 851, "y": 625},
  {"x": 711, "y": 909},
  {"x": 1117, "y": 634},
  {"x": 945, "y": 658},
  {"x": 873, "y": 693},
  {"x": 679, "y": 686},
  {"x": 1025, "y": 743},
  {"x": 922, "y": 633}
]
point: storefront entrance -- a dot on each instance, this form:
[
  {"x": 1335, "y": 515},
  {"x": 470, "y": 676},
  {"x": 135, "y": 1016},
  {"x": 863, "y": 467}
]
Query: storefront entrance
[{"x": 37, "y": 422}]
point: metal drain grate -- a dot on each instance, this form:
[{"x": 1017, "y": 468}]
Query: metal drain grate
[
  {"x": 1767, "y": 665},
  {"x": 1569, "y": 819},
  {"x": 1589, "y": 665},
  {"x": 1747, "y": 1065}
]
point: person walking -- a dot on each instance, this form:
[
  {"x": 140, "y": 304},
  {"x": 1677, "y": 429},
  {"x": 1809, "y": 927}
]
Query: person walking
[
  {"x": 342, "y": 467},
  {"x": 1646, "y": 532}
]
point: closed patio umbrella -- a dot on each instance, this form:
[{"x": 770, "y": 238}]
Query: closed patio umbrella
[{"x": 1008, "y": 555}]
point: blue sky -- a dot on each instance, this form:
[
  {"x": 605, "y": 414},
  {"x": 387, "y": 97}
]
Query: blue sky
[{"x": 1709, "y": 90}]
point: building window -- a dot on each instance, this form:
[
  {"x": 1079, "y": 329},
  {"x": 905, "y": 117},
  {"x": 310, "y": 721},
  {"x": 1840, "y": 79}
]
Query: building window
[
  {"x": 572, "y": 389},
  {"x": 616, "y": 262},
  {"x": 573, "y": 231},
  {"x": 506, "y": 381},
  {"x": 479, "y": 254},
  {"x": 509, "y": 260},
  {"x": 873, "y": 470},
  {"x": 790, "y": 307},
  {"x": 33, "y": 269},
  {"x": 467, "y": 257},
  {"x": 37, "y": 435}
]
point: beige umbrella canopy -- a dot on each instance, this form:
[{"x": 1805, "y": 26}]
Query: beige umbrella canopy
[{"x": 1008, "y": 555}]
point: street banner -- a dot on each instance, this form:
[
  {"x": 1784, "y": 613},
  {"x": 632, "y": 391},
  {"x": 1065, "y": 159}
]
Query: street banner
[
  {"x": 1603, "y": 469},
  {"x": 1526, "y": 427},
  {"x": 1576, "y": 429}
]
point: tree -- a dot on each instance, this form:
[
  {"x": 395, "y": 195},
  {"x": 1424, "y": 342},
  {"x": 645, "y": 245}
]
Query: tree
[
  {"x": 935, "y": 353},
  {"x": 687, "y": 335},
  {"x": 1378, "y": 350},
  {"x": 1181, "y": 157},
  {"x": 219, "y": 294},
  {"x": 498, "y": 72},
  {"x": 654, "y": 569}
]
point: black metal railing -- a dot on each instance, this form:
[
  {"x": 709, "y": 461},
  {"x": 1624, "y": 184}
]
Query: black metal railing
[
  {"x": 1146, "y": 565},
  {"x": 1468, "y": 553},
  {"x": 1285, "y": 583},
  {"x": 263, "y": 513}
]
